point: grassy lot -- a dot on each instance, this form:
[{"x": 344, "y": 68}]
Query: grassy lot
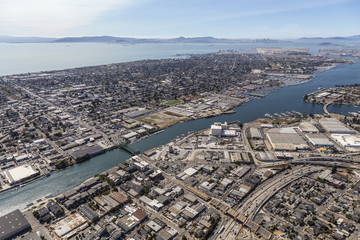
[{"x": 173, "y": 102}]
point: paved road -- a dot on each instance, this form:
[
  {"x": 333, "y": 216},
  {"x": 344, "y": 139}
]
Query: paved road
[
  {"x": 316, "y": 160},
  {"x": 37, "y": 227},
  {"x": 265, "y": 191},
  {"x": 325, "y": 108}
]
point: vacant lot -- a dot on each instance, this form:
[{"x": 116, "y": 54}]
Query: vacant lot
[
  {"x": 173, "y": 102},
  {"x": 163, "y": 119}
]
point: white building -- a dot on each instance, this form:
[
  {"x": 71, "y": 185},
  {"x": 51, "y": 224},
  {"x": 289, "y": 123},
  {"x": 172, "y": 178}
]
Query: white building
[
  {"x": 308, "y": 127},
  {"x": 207, "y": 186},
  {"x": 154, "y": 204},
  {"x": 20, "y": 173},
  {"x": 219, "y": 129},
  {"x": 216, "y": 130},
  {"x": 333, "y": 125},
  {"x": 347, "y": 140},
  {"x": 319, "y": 140}
]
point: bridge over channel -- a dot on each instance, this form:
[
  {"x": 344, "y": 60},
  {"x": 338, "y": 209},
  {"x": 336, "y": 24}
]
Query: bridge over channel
[
  {"x": 325, "y": 108},
  {"x": 129, "y": 149}
]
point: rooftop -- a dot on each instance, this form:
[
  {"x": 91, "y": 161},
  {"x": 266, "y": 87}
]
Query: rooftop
[
  {"x": 13, "y": 224},
  {"x": 19, "y": 173}
]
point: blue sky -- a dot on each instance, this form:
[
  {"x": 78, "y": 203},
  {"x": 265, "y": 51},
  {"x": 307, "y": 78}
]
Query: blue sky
[{"x": 172, "y": 18}]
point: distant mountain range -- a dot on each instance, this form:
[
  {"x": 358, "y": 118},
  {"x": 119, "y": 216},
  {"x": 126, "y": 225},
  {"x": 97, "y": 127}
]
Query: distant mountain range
[
  {"x": 351, "y": 38},
  {"x": 126, "y": 40}
]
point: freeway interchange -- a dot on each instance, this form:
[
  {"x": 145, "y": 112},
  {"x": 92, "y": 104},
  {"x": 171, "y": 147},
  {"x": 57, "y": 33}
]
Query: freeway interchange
[{"x": 251, "y": 206}]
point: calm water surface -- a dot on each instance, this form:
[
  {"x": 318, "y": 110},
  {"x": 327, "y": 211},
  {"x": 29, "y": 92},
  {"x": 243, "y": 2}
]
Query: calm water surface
[{"x": 32, "y": 57}]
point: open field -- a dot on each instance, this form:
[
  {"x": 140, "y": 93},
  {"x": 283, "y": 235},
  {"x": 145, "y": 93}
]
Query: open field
[
  {"x": 163, "y": 119},
  {"x": 173, "y": 102}
]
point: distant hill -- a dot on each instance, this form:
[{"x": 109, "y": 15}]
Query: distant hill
[
  {"x": 356, "y": 37},
  {"x": 351, "y": 38},
  {"x": 88, "y": 39},
  {"x": 111, "y": 39},
  {"x": 128, "y": 40},
  {"x": 108, "y": 39},
  {"x": 11, "y": 39}
]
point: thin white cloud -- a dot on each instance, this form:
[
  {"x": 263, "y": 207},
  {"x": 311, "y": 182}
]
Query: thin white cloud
[
  {"x": 289, "y": 31},
  {"x": 256, "y": 9},
  {"x": 51, "y": 17}
]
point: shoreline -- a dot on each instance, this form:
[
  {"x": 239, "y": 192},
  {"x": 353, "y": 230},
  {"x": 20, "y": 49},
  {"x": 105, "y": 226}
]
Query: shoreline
[
  {"x": 50, "y": 196},
  {"x": 224, "y": 112},
  {"x": 22, "y": 184},
  {"x": 231, "y": 110}
]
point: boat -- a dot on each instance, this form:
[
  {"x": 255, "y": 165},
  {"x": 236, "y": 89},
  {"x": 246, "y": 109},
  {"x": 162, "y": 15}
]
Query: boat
[
  {"x": 355, "y": 114},
  {"x": 300, "y": 114},
  {"x": 268, "y": 115},
  {"x": 229, "y": 112}
]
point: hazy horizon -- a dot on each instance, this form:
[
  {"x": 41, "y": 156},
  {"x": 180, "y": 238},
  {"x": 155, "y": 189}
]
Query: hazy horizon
[
  {"x": 173, "y": 37},
  {"x": 258, "y": 19}
]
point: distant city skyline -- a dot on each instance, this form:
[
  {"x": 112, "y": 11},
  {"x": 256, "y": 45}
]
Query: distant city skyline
[{"x": 276, "y": 19}]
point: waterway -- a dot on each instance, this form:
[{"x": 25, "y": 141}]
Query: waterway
[
  {"x": 18, "y": 58},
  {"x": 285, "y": 99}
]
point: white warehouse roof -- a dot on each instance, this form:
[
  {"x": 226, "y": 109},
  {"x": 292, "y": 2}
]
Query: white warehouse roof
[
  {"x": 19, "y": 173},
  {"x": 318, "y": 139},
  {"x": 347, "y": 140},
  {"x": 333, "y": 125}
]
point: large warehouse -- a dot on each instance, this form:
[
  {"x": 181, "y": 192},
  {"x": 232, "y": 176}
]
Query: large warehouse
[
  {"x": 333, "y": 125},
  {"x": 347, "y": 140},
  {"x": 20, "y": 173},
  {"x": 286, "y": 139},
  {"x": 319, "y": 140},
  {"x": 308, "y": 127},
  {"x": 12, "y": 225}
]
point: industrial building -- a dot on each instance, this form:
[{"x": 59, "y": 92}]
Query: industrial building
[
  {"x": 130, "y": 136},
  {"x": 88, "y": 151},
  {"x": 87, "y": 212},
  {"x": 333, "y": 125},
  {"x": 219, "y": 129},
  {"x": 13, "y": 225},
  {"x": 154, "y": 204},
  {"x": 319, "y": 140},
  {"x": 286, "y": 139},
  {"x": 216, "y": 129},
  {"x": 207, "y": 186},
  {"x": 308, "y": 127},
  {"x": 347, "y": 140},
  {"x": 255, "y": 133},
  {"x": 20, "y": 173},
  {"x": 141, "y": 112},
  {"x": 120, "y": 198},
  {"x": 180, "y": 111},
  {"x": 68, "y": 226}
]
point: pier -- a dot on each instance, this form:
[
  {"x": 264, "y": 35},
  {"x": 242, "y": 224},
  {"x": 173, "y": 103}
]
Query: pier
[{"x": 257, "y": 95}]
